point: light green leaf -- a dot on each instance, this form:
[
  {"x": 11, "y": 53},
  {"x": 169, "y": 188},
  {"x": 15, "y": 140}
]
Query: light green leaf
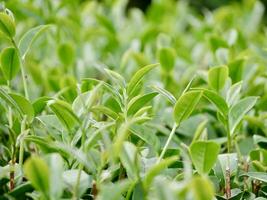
[
  {"x": 234, "y": 93},
  {"x": 146, "y": 134},
  {"x": 138, "y": 76},
  {"x": 262, "y": 176},
  {"x": 64, "y": 113},
  {"x": 70, "y": 181},
  {"x": 40, "y": 104},
  {"x": 10, "y": 62},
  {"x": 7, "y": 25},
  {"x": 116, "y": 77},
  {"x": 217, "y": 100},
  {"x": 202, "y": 188},
  {"x": 29, "y": 37},
  {"x": 24, "y": 105},
  {"x": 204, "y": 155},
  {"x": 105, "y": 110},
  {"x": 156, "y": 169},
  {"x": 37, "y": 172},
  {"x": 66, "y": 53},
  {"x": 55, "y": 164},
  {"x": 165, "y": 93},
  {"x": 166, "y": 57},
  {"x": 185, "y": 105},
  {"x": 217, "y": 77},
  {"x": 238, "y": 111},
  {"x": 139, "y": 101},
  {"x": 129, "y": 159}
]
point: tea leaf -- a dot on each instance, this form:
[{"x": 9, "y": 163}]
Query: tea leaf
[
  {"x": 24, "y": 105},
  {"x": 138, "y": 76},
  {"x": 166, "y": 58},
  {"x": 185, "y": 105},
  {"x": 139, "y": 101},
  {"x": 64, "y": 113},
  {"x": 217, "y": 77},
  {"x": 204, "y": 155},
  {"x": 7, "y": 25},
  {"x": 37, "y": 171},
  {"x": 238, "y": 111},
  {"x": 202, "y": 188},
  {"x": 10, "y": 62},
  {"x": 29, "y": 37}
]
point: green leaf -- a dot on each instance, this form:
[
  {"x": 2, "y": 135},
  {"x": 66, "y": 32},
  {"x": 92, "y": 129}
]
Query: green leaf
[
  {"x": 185, "y": 105},
  {"x": 165, "y": 93},
  {"x": 123, "y": 132},
  {"x": 138, "y": 76},
  {"x": 66, "y": 53},
  {"x": 217, "y": 100},
  {"x": 64, "y": 113},
  {"x": 70, "y": 178},
  {"x": 129, "y": 159},
  {"x": 200, "y": 129},
  {"x": 202, "y": 188},
  {"x": 204, "y": 155},
  {"x": 139, "y": 101},
  {"x": 20, "y": 103},
  {"x": 28, "y": 39},
  {"x": 261, "y": 176},
  {"x": 156, "y": 169},
  {"x": 40, "y": 104},
  {"x": 146, "y": 134},
  {"x": 238, "y": 111},
  {"x": 166, "y": 57},
  {"x": 105, "y": 110},
  {"x": 10, "y": 62},
  {"x": 116, "y": 189},
  {"x": 24, "y": 105},
  {"x": 37, "y": 172},
  {"x": 55, "y": 164},
  {"x": 21, "y": 190},
  {"x": 234, "y": 93},
  {"x": 116, "y": 77},
  {"x": 217, "y": 77},
  {"x": 7, "y": 25}
]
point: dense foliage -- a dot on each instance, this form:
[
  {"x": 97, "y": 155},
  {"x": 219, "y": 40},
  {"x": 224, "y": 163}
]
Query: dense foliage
[{"x": 99, "y": 104}]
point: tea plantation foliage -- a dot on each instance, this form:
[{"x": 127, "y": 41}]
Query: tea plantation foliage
[{"x": 97, "y": 103}]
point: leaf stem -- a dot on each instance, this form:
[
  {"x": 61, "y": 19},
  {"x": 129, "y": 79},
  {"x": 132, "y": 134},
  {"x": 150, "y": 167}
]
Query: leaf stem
[{"x": 175, "y": 126}]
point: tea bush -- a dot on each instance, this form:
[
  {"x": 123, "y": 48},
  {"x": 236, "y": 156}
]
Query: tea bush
[{"x": 100, "y": 104}]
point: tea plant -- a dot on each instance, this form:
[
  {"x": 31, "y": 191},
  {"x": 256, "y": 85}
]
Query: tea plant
[{"x": 97, "y": 103}]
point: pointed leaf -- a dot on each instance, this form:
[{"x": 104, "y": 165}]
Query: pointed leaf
[
  {"x": 24, "y": 105},
  {"x": 217, "y": 77},
  {"x": 165, "y": 93},
  {"x": 64, "y": 113},
  {"x": 10, "y": 62},
  {"x": 217, "y": 100},
  {"x": 238, "y": 111},
  {"x": 139, "y": 101},
  {"x": 7, "y": 25},
  {"x": 29, "y": 37},
  {"x": 138, "y": 76},
  {"x": 185, "y": 105}
]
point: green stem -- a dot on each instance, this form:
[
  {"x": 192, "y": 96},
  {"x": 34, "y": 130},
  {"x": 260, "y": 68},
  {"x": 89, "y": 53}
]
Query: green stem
[
  {"x": 23, "y": 74},
  {"x": 168, "y": 142},
  {"x": 228, "y": 140},
  {"x": 227, "y": 170},
  {"x": 21, "y": 146},
  {"x": 76, "y": 189}
]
